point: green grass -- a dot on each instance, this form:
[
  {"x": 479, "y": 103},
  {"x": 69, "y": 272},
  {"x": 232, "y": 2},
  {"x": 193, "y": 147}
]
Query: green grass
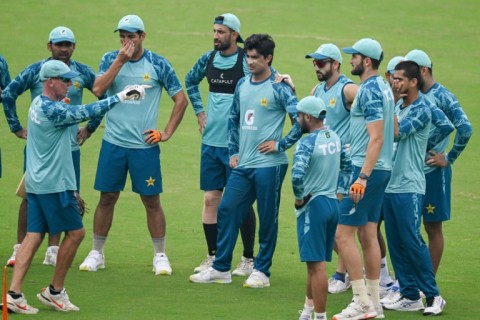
[{"x": 182, "y": 30}]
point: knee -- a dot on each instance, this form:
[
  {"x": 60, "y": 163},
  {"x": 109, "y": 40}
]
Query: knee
[
  {"x": 212, "y": 198},
  {"x": 76, "y": 235},
  {"x": 108, "y": 199},
  {"x": 433, "y": 228}
]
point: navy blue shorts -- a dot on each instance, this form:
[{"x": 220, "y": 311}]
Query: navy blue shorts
[
  {"x": 316, "y": 227},
  {"x": 436, "y": 204},
  {"x": 369, "y": 208},
  {"x": 53, "y": 213},
  {"x": 214, "y": 168},
  {"x": 114, "y": 162}
]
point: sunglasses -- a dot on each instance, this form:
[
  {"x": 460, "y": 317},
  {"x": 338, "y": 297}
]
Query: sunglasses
[
  {"x": 64, "y": 80},
  {"x": 321, "y": 63}
]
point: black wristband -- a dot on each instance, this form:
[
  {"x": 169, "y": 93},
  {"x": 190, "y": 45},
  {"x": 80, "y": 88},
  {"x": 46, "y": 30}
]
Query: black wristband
[{"x": 363, "y": 176}]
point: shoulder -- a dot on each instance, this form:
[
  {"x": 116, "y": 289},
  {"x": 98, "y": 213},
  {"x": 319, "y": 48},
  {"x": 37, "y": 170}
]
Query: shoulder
[{"x": 81, "y": 68}]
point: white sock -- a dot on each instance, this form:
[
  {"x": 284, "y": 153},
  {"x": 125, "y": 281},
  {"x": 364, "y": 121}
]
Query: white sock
[
  {"x": 385, "y": 278},
  {"x": 99, "y": 243},
  {"x": 307, "y": 310},
  {"x": 373, "y": 290},
  {"x": 320, "y": 316}
]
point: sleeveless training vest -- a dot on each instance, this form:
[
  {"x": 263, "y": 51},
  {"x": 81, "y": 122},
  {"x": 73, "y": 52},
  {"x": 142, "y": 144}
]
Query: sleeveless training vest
[{"x": 224, "y": 81}]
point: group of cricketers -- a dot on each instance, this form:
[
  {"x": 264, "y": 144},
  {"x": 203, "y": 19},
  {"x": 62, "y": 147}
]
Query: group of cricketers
[{"x": 369, "y": 153}]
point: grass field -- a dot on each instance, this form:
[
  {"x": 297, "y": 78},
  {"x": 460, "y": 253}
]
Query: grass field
[{"x": 182, "y": 30}]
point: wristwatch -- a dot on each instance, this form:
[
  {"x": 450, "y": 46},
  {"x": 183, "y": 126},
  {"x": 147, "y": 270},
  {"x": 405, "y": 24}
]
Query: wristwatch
[{"x": 363, "y": 176}]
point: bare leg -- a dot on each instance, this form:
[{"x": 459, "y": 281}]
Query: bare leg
[
  {"x": 22, "y": 221},
  {"x": 24, "y": 258},
  {"x": 436, "y": 242},
  {"x": 66, "y": 253},
  {"x": 317, "y": 285},
  {"x": 155, "y": 216},
  {"x": 102, "y": 220}
]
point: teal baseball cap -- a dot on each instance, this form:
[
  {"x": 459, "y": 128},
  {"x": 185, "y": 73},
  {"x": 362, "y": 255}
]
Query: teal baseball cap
[
  {"x": 61, "y": 34},
  {"x": 56, "y": 69},
  {"x": 393, "y": 63},
  {"x": 326, "y": 51},
  {"x": 313, "y": 106},
  {"x": 229, "y": 20},
  {"x": 368, "y": 47},
  {"x": 130, "y": 23},
  {"x": 420, "y": 57}
]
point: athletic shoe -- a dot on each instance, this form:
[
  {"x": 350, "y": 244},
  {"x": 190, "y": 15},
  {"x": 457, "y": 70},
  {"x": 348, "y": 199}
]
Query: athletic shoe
[
  {"x": 51, "y": 256},
  {"x": 405, "y": 304},
  {"x": 304, "y": 315},
  {"x": 257, "y": 280},
  {"x": 94, "y": 261},
  {"x": 211, "y": 276},
  {"x": 207, "y": 263},
  {"x": 19, "y": 305},
  {"x": 392, "y": 295},
  {"x": 244, "y": 267},
  {"x": 11, "y": 261},
  {"x": 385, "y": 289},
  {"x": 434, "y": 306},
  {"x": 379, "y": 310},
  {"x": 59, "y": 302},
  {"x": 356, "y": 311},
  {"x": 338, "y": 286},
  {"x": 161, "y": 265}
]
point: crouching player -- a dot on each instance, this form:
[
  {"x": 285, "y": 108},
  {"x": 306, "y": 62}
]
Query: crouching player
[{"x": 316, "y": 163}]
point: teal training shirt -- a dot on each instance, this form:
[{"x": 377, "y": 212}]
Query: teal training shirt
[
  {"x": 338, "y": 116},
  {"x": 414, "y": 123},
  {"x": 124, "y": 126},
  {"x": 258, "y": 115},
  {"x": 316, "y": 162},
  {"x": 374, "y": 102}
]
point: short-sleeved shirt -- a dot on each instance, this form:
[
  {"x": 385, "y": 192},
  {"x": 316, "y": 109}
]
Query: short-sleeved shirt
[
  {"x": 374, "y": 102},
  {"x": 124, "y": 125}
]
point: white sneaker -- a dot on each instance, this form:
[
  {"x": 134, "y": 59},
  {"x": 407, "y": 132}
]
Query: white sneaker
[
  {"x": 161, "y": 265},
  {"x": 304, "y": 315},
  {"x": 385, "y": 289},
  {"x": 338, "y": 286},
  {"x": 51, "y": 256},
  {"x": 405, "y": 304},
  {"x": 211, "y": 276},
  {"x": 257, "y": 280},
  {"x": 205, "y": 264},
  {"x": 59, "y": 302},
  {"x": 356, "y": 311},
  {"x": 19, "y": 305},
  {"x": 379, "y": 310},
  {"x": 94, "y": 261},
  {"x": 244, "y": 267},
  {"x": 11, "y": 261},
  {"x": 392, "y": 295},
  {"x": 435, "y": 306}
]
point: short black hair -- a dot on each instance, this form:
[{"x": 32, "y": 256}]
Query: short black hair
[
  {"x": 411, "y": 70},
  {"x": 263, "y": 43}
]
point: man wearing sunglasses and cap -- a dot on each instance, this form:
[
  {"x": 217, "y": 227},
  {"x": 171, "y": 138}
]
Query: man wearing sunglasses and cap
[
  {"x": 371, "y": 149},
  {"x": 222, "y": 67},
  {"x": 50, "y": 182},
  {"x": 61, "y": 44},
  {"x": 130, "y": 142}
]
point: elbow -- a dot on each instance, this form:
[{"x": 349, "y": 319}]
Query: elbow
[{"x": 97, "y": 91}]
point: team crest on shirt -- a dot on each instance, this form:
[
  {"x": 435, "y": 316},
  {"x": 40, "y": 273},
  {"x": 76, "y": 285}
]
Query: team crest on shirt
[
  {"x": 332, "y": 102},
  {"x": 264, "y": 102},
  {"x": 146, "y": 77},
  {"x": 77, "y": 85}
]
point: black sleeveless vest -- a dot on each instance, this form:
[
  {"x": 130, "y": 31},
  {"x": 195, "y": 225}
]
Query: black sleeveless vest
[{"x": 224, "y": 81}]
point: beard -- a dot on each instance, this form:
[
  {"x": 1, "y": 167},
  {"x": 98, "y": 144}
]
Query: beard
[
  {"x": 324, "y": 76},
  {"x": 358, "y": 70},
  {"x": 222, "y": 46}
]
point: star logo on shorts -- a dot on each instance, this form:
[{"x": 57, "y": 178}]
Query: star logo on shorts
[
  {"x": 150, "y": 182},
  {"x": 430, "y": 209}
]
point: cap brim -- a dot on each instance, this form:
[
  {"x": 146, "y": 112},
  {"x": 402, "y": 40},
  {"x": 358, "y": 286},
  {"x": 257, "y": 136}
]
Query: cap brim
[
  {"x": 316, "y": 56},
  {"x": 62, "y": 40},
  {"x": 350, "y": 51},
  {"x": 128, "y": 29},
  {"x": 70, "y": 75},
  {"x": 239, "y": 39}
]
